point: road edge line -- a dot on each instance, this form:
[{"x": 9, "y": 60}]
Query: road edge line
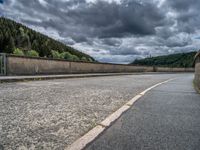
[{"x": 91, "y": 135}]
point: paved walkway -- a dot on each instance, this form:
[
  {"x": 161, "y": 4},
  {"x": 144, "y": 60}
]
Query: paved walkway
[
  {"x": 67, "y": 76},
  {"x": 166, "y": 118},
  {"x": 61, "y": 76},
  {"x": 52, "y": 114}
]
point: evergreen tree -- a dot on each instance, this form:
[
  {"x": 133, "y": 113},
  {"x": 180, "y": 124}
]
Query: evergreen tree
[
  {"x": 10, "y": 46},
  {"x": 174, "y": 60},
  {"x": 15, "y": 35}
]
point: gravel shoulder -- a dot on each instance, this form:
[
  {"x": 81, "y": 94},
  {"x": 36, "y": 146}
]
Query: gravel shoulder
[{"x": 52, "y": 114}]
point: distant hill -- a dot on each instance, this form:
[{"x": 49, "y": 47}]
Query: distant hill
[
  {"x": 14, "y": 36},
  {"x": 173, "y": 60}
]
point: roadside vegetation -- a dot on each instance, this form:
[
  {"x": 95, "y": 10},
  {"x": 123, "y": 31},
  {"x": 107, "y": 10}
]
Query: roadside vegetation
[
  {"x": 173, "y": 60},
  {"x": 31, "y": 53},
  {"x": 18, "y": 39},
  {"x": 55, "y": 55}
]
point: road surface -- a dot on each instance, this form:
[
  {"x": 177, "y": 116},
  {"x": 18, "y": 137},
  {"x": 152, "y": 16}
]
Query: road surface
[
  {"x": 52, "y": 114},
  {"x": 166, "y": 118}
]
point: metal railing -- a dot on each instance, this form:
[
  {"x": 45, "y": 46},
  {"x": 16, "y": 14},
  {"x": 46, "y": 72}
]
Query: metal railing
[{"x": 2, "y": 64}]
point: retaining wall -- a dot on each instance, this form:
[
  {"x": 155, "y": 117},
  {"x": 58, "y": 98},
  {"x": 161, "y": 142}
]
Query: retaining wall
[
  {"x": 197, "y": 70},
  {"x": 21, "y": 65},
  {"x": 167, "y": 69}
]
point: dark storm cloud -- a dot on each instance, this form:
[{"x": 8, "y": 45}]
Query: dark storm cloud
[
  {"x": 125, "y": 51},
  {"x": 188, "y": 16},
  {"x": 178, "y": 41},
  {"x": 102, "y": 19},
  {"x": 183, "y": 5},
  {"x": 113, "y": 29},
  {"x": 118, "y": 20},
  {"x": 111, "y": 42}
]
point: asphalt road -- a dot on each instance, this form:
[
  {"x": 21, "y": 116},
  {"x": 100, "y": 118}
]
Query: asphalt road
[
  {"x": 52, "y": 114},
  {"x": 166, "y": 118}
]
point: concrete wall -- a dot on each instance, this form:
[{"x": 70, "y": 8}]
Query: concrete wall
[
  {"x": 77, "y": 67},
  {"x": 197, "y": 71},
  {"x": 20, "y": 65},
  {"x": 166, "y": 69},
  {"x": 31, "y": 66}
]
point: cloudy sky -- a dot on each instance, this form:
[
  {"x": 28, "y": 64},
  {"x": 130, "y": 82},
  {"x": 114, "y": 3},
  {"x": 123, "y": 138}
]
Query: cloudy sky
[{"x": 117, "y": 31}]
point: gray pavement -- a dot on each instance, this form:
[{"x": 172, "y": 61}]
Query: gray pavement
[
  {"x": 4, "y": 79},
  {"x": 7, "y": 79},
  {"x": 166, "y": 118},
  {"x": 51, "y": 114}
]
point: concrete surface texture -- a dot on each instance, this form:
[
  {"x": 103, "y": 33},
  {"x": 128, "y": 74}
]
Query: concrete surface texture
[
  {"x": 197, "y": 75},
  {"x": 197, "y": 71},
  {"x": 166, "y": 118},
  {"x": 7, "y": 79},
  {"x": 52, "y": 114},
  {"x": 17, "y": 65},
  {"x": 167, "y": 69}
]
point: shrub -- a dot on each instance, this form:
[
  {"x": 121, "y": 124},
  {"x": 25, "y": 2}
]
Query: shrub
[
  {"x": 75, "y": 58},
  {"x": 84, "y": 59},
  {"x": 90, "y": 60},
  {"x": 18, "y": 51},
  {"x": 68, "y": 56},
  {"x": 64, "y": 55},
  {"x": 55, "y": 54},
  {"x": 32, "y": 53}
]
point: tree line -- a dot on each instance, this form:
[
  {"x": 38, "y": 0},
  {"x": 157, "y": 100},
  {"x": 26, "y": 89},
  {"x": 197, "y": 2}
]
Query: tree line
[
  {"x": 21, "y": 40},
  {"x": 173, "y": 60}
]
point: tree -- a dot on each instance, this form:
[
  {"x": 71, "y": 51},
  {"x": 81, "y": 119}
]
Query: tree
[
  {"x": 84, "y": 59},
  {"x": 13, "y": 34},
  {"x": 10, "y": 46},
  {"x": 90, "y": 60},
  {"x": 35, "y": 45},
  {"x": 32, "y": 53},
  {"x": 75, "y": 58},
  {"x": 67, "y": 56},
  {"x": 18, "y": 51},
  {"x": 55, "y": 54}
]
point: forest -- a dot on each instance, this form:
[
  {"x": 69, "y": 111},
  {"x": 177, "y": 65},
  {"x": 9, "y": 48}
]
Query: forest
[
  {"x": 18, "y": 39},
  {"x": 172, "y": 60}
]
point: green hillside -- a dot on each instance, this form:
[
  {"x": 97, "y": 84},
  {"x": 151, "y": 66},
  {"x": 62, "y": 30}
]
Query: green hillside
[
  {"x": 19, "y": 39},
  {"x": 173, "y": 60}
]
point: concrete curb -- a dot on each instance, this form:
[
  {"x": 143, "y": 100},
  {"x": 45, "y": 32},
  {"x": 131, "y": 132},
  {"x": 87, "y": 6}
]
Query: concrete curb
[
  {"x": 8, "y": 79},
  {"x": 96, "y": 131}
]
